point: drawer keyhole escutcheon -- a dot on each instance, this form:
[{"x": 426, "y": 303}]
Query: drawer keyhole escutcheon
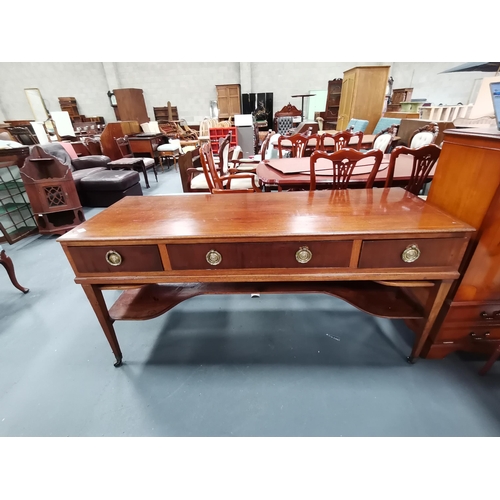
[
  {"x": 113, "y": 258},
  {"x": 214, "y": 258},
  {"x": 411, "y": 253},
  {"x": 303, "y": 255}
]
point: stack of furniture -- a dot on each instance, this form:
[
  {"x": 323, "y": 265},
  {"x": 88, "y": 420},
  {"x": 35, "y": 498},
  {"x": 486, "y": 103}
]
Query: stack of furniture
[
  {"x": 69, "y": 105},
  {"x": 363, "y": 95},
  {"x": 166, "y": 113},
  {"x": 399, "y": 96}
]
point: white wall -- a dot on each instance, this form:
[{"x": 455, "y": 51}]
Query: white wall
[{"x": 191, "y": 86}]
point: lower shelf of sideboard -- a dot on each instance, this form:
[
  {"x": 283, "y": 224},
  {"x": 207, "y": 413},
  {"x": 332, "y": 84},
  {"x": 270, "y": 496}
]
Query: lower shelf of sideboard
[{"x": 153, "y": 300}]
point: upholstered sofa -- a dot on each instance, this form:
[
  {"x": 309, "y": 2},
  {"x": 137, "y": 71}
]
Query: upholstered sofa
[{"x": 97, "y": 186}]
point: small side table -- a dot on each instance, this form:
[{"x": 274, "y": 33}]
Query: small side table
[{"x": 6, "y": 262}]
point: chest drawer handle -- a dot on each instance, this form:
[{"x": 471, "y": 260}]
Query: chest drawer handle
[
  {"x": 493, "y": 315},
  {"x": 476, "y": 337},
  {"x": 303, "y": 255},
  {"x": 113, "y": 258},
  {"x": 411, "y": 253},
  {"x": 214, "y": 258}
]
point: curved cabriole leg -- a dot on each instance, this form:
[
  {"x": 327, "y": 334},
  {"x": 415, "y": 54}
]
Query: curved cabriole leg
[{"x": 6, "y": 262}]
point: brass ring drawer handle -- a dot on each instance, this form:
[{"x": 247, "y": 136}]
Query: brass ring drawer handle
[
  {"x": 303, "y": 255},
  {"x": 493, "y": 315},
  {"x": 214, "y": 258},
  {"x": 113, "y": 258},
  {"x": 411, "y": 253}
]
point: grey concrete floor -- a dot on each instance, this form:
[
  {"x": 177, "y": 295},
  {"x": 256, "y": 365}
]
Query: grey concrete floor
[{"x": 279, "y": 365}]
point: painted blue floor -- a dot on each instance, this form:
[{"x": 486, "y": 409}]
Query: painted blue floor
[{"x": 279, "y": 365}]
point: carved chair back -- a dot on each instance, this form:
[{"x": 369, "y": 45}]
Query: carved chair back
[
  {"x": 265, "y": 145},
  {"x": 208, "y": 164},
  {"x": 340, "y": 140},
  {"x": 424, "y": 159},
  {"x": 384, "y": 138},
  {"x": 424, "y": 135},
  {"x": 124, "y": 147},
  {"x": 342, "y": 163},
  {"x": 294, "y": 144}
]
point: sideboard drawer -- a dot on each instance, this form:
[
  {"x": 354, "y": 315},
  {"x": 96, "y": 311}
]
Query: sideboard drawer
[
  {"x": 137, "y": 258},
  {"x": 273, "y": 255},
  {"x": 487, "y": 313},
  {"x": 429, "y": 252}
]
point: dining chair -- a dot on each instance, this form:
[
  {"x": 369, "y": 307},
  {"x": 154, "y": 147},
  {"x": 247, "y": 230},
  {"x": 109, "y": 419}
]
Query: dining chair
[
  {"x": 384, "y": 138},
  {"x": 229, "y": 181},
  {"x": 340, "y": 140},
  {"x": 250, "y": 164},
  {"x": 126, "y": 153},
  {"x": 424, "y": 135},
  {"x": 342, "y": 164},
  {"x": 293, "y": 146},
  {"x": 424, "y": 158}
]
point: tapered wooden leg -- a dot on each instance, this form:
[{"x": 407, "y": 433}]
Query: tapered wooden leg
[
  {"x": 96, "y": 299},
  {"x": 432, "y": 308},
  {"x": 489, "y": 363},
  {"x": 6, "y": 262}
]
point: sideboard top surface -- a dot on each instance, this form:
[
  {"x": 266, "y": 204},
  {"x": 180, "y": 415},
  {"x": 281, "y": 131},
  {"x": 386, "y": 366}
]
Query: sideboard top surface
[{"x": 269, "y": 215}]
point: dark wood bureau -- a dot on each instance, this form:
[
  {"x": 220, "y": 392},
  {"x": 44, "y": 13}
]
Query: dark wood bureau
[
  {"x": 377, "y": 249},
  {"x": 467, "y": 185}
]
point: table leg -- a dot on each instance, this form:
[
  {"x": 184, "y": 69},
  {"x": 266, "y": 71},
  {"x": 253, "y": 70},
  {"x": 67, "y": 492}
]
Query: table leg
[
  {"x": 96, "y": 299},
  {"x": 6, "y": 262},
  {"x": 490, "y": 362},
  {"x": 433, "y": 307},
  {"x": 144, "y": 171}
]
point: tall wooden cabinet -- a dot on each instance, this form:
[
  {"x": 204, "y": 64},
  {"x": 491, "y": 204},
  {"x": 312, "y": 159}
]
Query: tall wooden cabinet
[
  {"x": 333, "y": 103},
  {"x": 467, "y": 186},
  {"x": 228, "y": 100},
  {"x": 363, "y": 94},
  {"x": 130, "y": 105}
]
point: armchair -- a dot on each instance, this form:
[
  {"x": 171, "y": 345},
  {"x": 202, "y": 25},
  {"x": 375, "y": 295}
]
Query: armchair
[{"x": 228, "y": 181}]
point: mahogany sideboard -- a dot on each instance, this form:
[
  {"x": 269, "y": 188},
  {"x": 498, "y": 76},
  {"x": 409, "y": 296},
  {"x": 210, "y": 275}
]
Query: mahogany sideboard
[
  {"x": 371, "y": 248},
  {"x": 466, "y": 185}
]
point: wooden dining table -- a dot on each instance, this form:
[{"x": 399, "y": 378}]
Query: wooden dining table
[{"x": 293, "y": 173}]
